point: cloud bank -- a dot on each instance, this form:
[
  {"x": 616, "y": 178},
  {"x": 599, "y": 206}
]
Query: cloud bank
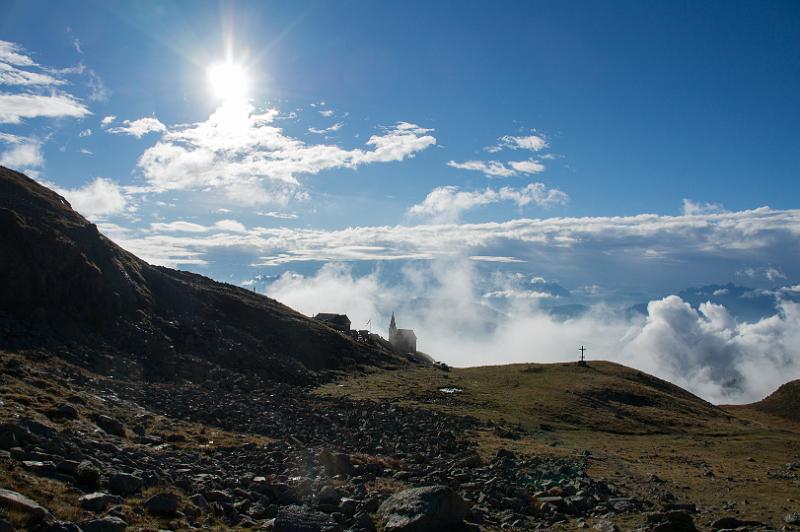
[{"x": 702, "y": 349}]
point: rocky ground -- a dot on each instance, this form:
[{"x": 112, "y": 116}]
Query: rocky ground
[{"x": 85, "y": 452}]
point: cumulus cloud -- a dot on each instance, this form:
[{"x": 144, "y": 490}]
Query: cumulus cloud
[
  {"x": 137, "y": 128},
  {"x": 702, "y": 349},
  {"x": 85, "y": 133},
  {"x": 96, "y": 199},
  {"x": 15, "y": 107},
  {"x": 251, "y": 160},
  {"x": 107, "y": 120},
  {"x": 23, "y": 155},
  {"x": 448, "y": 203},
  {"x": 499, "y": 169}
]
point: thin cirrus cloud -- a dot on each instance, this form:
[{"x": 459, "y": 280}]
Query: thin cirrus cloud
[
  {"x": 449, "y": 202},
  {"x": 331, "y": 129},
  {"x": 16, "y": 107},
  {"x": 500, "y": 169},
  {"x": 244, "y": 155}
]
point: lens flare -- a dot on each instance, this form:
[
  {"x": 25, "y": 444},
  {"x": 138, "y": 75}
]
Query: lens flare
[{"x": 228, "y": 81}]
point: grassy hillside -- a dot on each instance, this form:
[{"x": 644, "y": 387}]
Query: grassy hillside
[
  {"x": 600, "y": 396},
  {"x": 639, "y": 432}
]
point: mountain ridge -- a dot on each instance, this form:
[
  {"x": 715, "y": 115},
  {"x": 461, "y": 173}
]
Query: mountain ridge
[{"x": 64, "y": 283}]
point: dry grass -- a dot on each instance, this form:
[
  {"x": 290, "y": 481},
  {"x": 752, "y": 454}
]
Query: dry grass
[{"x": 635, "y": 427}]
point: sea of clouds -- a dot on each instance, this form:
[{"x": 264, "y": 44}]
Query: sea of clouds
[{"x": 705, "y": 350}]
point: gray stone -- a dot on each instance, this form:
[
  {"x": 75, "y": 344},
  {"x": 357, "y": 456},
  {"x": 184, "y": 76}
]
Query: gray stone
[
  {"x": 428, "y": 508},
  {"x": 199, "y": 501},
  {"x": 110, "y": 425},
  {"x": 106, "y": 524},
  {"x": 62, "y": 526},
  {"x": 296, "y": 518},
  {"x": 20, "y": 503},
  {"x": 98, "y": 501},
  {"x": 163, "y": 504},
  {"x": 124, "y": 484}
]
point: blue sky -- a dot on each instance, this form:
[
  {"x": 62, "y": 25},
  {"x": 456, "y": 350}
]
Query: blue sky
[{"x": 490, "y": 112}]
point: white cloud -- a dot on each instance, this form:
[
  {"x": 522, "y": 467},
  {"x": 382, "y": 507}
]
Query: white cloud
[
  {"x": 527, "y": 167},
  {"x": 179, "y": 226},
  {"x": 24, "y": 155},
  {"x": 691, "y": 208},
  {"x": 495, "y": 258},
  {"x": 138, "y": 128},
  {"x": 490, "y": 168},
  {"x": 10, "y": 75},
  {"x": 335, "y": 127},
  {"x": 326, "y": 113},
  {"x": 14, "y": 54},
  {"x": 448, "y": 203},
  {"x": 231, "y": 225},
  {"x": 703, "y": 350},
  {"x": 84, "y": 151},
  {"x": 769, "y": 273},
  {"x": 9, "y": 138},
  {"x": 15, "y": 107},
  {"x": 95, "y": 200},
  {"x": 107, "y": 120},
  {"x": 612, "y": 248},
  {"x": 499, "y": 169},
  {"x": 85, "y": 133},
  {"x": 278, "y": 215},
  {"x": 527, "y": 142},
  {"x": 252, "y": 161},
  {"x": 98, "y": 92}
]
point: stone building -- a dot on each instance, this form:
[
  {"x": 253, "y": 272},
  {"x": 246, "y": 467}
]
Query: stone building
[
  {"x": 340, "y": 322},
  {"x": 403, "y": 340}
]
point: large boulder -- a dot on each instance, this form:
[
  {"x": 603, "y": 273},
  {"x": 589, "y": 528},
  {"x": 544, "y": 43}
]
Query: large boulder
[
  {"x": 11, "y": 500},
  {"x": 98, "y": 501},
  {"x": 163, "y": 504},
  {"x": 294, "y": 518},
  {"x": 106, "y": 524},
  {"x": 429, "y": 508},
  {"x": 124, "y": 484}
]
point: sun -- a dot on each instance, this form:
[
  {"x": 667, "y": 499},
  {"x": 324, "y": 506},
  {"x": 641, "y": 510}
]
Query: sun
[{"x": 228, "y": 81}]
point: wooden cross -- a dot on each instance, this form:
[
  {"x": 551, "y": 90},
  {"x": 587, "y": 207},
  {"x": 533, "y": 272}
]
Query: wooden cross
[{"x": 582, "y": 349}]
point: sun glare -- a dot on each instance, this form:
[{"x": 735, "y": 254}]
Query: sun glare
[{"x": 228, "y": 81}]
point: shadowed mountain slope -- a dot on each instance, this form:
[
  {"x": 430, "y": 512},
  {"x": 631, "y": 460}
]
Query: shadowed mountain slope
[
  {"x": 783, "y": 402},
  {"x": 64, "y": 285}
]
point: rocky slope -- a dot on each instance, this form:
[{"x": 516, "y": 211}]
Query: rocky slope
[{"x": 65, "y": 286}]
